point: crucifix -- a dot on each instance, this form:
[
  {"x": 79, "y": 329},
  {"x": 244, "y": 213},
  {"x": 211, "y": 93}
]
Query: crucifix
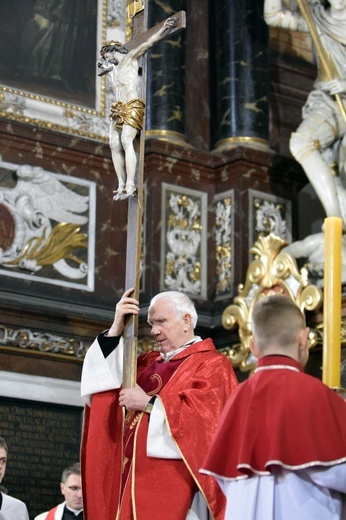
[{"x": 127, "y": 143}]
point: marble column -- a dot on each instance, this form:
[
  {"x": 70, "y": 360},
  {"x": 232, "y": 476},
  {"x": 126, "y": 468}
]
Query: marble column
[
  {"x": 165, "y": 110},
  {"x": 239, "y": 73}
]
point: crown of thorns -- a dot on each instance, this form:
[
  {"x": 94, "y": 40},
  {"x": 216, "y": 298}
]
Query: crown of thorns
[{"x": 112, "y": 45}]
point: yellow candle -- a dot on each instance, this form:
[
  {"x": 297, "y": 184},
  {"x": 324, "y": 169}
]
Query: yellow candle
[{"x": 332, "y": 302}]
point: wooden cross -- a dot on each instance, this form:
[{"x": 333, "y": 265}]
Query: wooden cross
[{"x": 140, "y": 34}]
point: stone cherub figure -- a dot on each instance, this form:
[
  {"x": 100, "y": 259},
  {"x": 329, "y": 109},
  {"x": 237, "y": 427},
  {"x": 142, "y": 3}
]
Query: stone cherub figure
[{"x": 127, "y": 112}]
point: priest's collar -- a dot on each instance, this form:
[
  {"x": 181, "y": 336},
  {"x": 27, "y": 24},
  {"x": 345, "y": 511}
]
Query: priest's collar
[
  {"x": 169, "y": 355},
  {"x": 74, "y": 512}
]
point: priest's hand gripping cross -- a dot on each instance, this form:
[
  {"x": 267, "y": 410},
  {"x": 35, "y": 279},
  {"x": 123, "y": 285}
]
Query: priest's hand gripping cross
[{"x": 127, "y": 129}]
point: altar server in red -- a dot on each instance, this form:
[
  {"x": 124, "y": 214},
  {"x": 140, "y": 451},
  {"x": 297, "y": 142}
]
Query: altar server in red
[
  {"x": 280, "y": 448},
  {"x": 143, "y": 446}
]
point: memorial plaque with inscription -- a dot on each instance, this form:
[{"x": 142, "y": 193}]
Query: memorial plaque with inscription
[{"x": 43, "y": 439}]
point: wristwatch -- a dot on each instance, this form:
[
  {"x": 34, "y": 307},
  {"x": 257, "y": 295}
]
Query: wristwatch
[{"x": 149, "y": 406}]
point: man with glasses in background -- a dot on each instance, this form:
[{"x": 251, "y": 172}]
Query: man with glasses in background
[{"x": 71, "y": 489}]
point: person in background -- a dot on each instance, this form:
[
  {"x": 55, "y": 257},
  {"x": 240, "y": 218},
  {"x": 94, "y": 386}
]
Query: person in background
[
  {"x": 71, "y": 489},
  {"x": 279, "y": 452},
  {"x": 10, "y": 508},
  {"x": 141, "y": 459}
]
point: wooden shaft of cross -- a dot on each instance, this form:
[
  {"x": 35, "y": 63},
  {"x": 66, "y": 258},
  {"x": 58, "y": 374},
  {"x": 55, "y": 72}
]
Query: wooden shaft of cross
[{"x": 135, "y": 203}]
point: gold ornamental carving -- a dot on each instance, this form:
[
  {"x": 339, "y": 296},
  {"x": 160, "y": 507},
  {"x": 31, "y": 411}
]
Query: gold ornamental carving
[{"x": 272, "y": 271}]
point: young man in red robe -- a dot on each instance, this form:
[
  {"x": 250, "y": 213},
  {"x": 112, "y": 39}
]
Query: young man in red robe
[
  {"x": 143, "y": 446},
  {"x": 280, "y": 448}
]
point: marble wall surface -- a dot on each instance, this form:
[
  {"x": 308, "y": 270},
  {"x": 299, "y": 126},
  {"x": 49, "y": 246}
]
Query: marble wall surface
[{"x": 194, "y": 167}]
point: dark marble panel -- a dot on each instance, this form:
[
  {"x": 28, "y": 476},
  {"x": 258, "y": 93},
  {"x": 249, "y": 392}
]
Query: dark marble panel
[
  {"x": 197, "y": 75},
  {"x": 239, "y": 71},
  {"x": 165, "y": 111}
]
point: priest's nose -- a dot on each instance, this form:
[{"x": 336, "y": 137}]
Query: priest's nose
[{"x": 155, "y": 331}]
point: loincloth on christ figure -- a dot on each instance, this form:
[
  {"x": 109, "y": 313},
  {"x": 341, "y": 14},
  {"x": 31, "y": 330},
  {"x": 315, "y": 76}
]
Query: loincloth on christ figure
[{"x": 130, "y": 113}]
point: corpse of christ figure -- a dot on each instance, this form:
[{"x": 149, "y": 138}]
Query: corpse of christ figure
[{"x": 127, "y": 111}]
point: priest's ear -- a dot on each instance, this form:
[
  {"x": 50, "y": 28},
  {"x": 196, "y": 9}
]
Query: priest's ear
[{"x": 187, "y": 320}]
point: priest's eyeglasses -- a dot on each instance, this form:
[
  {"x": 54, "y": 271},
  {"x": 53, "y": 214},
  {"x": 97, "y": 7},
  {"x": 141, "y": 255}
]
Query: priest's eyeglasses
[{"x": 73, "y": 488}]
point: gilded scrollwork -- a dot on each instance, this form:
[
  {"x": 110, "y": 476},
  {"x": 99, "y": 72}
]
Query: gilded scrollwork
[
  {"x": 42, "y": 342},
  {"x": 39, "y": 89},
  {"x": 269, "y": 214},
  {"x": 146, "y": 344},
  {"x": 46, "y": 226},
  {"x": 272, "y": 271},
  {"x": 184, "y": 239},
  {"x": 269, "y": 218},
  {"x": 223, "y": 240}
]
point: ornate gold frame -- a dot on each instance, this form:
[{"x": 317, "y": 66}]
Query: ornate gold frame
[
  {"x": 19, "y": 104},
  {"x": 271, "y": 271}
]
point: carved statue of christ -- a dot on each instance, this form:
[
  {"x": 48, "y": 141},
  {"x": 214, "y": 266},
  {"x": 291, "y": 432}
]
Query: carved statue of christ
[{"x": 127, "y": 112}]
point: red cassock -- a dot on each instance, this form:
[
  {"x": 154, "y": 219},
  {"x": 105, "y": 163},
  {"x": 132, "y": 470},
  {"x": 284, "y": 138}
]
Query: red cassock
[
  {"x": 278, "y": 417},
  {"x": 193, "y": 391}
]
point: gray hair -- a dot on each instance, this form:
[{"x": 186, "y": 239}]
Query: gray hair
[
  {"x": 74, "y": 469},
  {"x": 181, "y": 302}
]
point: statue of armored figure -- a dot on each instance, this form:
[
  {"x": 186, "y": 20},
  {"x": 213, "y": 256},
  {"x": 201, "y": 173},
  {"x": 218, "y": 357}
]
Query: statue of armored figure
[{"x": 319, "y": 143}]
